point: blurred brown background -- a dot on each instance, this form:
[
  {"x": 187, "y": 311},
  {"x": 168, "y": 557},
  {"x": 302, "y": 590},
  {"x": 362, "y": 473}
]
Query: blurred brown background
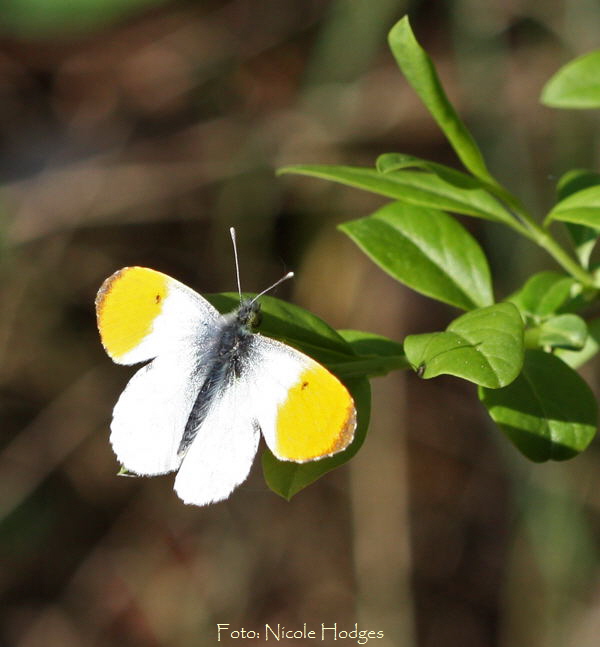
[{"x": 137, "y": 133}]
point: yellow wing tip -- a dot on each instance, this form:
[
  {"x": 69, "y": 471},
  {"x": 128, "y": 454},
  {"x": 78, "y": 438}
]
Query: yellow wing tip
[
  {"x": 318, "y": 418},
  {"x": 105, "y": 290},
  {"x": 109, "y": 283},
  {"x": 341, "y": 442},
  {"x": 346, "y": 435},
  {"x": 126, "y": 304}
]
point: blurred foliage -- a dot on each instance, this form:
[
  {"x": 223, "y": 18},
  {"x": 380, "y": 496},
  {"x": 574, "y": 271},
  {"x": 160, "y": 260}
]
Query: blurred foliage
[{"x": 51, "y": 18}]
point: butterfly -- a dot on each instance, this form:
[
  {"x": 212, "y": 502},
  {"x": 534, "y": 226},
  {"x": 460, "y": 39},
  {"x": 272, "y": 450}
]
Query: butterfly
[{"x": 211, "y": 386}]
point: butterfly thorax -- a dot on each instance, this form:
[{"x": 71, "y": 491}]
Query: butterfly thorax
[
  {"x": 223, "y": 363},
  {"x": 237, "y": 329}
]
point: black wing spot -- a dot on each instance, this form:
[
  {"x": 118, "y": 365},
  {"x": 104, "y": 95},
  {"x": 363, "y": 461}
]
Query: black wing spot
[
  {"x": 157, "y": 298},
  {"x": 304, "y": 385}
]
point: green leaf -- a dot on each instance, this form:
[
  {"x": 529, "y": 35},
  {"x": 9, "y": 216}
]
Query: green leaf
[
  {"x": 582, "y": 208},
  {"x": 584, "y": 238},
  {"x": 412, "y": 187},
  {"x": 575, "y": 180},
  {"x": 123, "y": 471},
  {"x": 484, "y": 346},
  {"x": 375, "y": 355},
  {"x": 390, "y": 162},
  {"x": 370, "y": 344},
  {"x": 563, "y": 331},
  {"x": 575, "y": 85},
  {"x": 422, "y": 76},
  {"x": 576, "y": 358},
  {"x": 426, "y": 250},
  {"x": 287, "y": 478},
  {"x": 548, "y": 412},
  {"x": 544, "y": 293}
]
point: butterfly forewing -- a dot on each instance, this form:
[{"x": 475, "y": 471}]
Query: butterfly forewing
[
  {"x": 142, "y": 313},
  {"x": 304, "y": 411}
]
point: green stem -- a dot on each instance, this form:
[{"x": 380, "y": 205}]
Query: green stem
[
  {"x": 526, "y": 225},
  {"x": 532, "y": 338},
  {"x": 545, "y": 240}
]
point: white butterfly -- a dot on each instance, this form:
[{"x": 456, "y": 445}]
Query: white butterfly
[{"x": 210, "y": 388}]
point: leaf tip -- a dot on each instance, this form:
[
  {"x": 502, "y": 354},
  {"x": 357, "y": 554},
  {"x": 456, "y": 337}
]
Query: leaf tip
[
  {"x": 283, "y": 170},
  {"x": 398, "y": 31}
]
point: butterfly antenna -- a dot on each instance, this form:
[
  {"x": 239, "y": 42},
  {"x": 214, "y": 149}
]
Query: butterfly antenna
[
  {"x": 237, "y": 264},
  {"x": 281, "y": 280}
]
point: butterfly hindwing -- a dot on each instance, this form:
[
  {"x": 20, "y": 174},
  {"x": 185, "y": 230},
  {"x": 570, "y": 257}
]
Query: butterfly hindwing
[
  {"x": 150, "y": 416},
  {"x": 223, "y": 449}
]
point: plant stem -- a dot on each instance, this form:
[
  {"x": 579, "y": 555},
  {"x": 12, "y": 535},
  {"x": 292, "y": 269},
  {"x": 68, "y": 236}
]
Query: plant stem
[
  {"x": 545, "y": 240},
  {"x": 526, "y": 225}
]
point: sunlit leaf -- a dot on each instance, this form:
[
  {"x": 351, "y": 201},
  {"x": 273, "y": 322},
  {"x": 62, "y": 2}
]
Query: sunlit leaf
[
  {"x": 412, "y": 187},
  {"x": 544, "y": 293},
  {"x": 426, "y": 250},
  {"x": 576, "y": 358},
  {"x": 391, "y": 162},
  {"x": 484, "y": 346},
  {"x": 584, "y": 237},
  {"x": 563, "y": 331},
  {"x": 375, "y": 355},
  {"x": 576, "y": 180},
  {"x": 548, "y": 412},
  {"x": 582, "y": 207},
  {"x": 420, "y": 72},
  {"x": 576, "y": 84}
]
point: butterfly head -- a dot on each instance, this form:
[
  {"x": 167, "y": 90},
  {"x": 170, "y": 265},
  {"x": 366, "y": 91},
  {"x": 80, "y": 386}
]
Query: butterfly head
[{"x": 249, "y": 314}]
